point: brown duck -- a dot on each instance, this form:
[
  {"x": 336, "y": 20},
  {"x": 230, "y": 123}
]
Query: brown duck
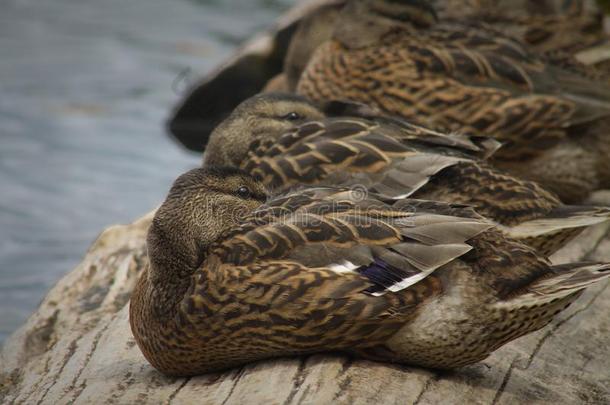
[
  {"x": 284, "y": 140},
  {"x": 560, "y": 31},
  {"x": 234, "y": 279},
  {"x": 396, "y": 56}
]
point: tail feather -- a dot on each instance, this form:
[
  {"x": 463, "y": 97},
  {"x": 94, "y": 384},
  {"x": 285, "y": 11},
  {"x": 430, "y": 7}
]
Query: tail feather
[
  {"x": 565, "y": 280},
  {"x": 561, "y": 218}
]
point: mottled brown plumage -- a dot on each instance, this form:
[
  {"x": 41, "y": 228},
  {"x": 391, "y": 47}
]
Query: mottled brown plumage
[
  {"x": 312, "y": 31},
  {"x": 569, "y": 33},
  {"x": 464, "y": 76},
  {"x": 546, "y": 26},
  {"x": 240, "y": 130},
  {"x": 392, "y": 157},
  {"x": 233, "y": 280},
  {"x": 560, "y": 31}
]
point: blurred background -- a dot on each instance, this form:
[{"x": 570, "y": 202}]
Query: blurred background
[{"x": 86, "y": 87}]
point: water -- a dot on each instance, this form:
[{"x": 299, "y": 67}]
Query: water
[{"x": 85, "y": 89}]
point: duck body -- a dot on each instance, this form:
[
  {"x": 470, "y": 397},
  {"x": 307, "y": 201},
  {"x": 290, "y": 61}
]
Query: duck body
[
  {"x": 568, "y": 33},
  {"x": 564, "y": 33},
  {"x": 323, "y": 269},
  {"x": 545, "y": 26},
  {"x": 461, "y": 76},
  {"x": 388, "y": 156}
]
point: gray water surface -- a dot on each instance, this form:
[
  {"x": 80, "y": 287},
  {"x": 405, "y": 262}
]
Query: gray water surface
[{"x": 85, "y": 89}]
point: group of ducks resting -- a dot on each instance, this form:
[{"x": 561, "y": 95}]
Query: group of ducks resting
[{"x": 398, "y": 201}]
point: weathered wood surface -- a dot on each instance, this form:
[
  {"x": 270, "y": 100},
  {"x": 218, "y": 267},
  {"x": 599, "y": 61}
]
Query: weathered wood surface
[{"x": 78, "y": 348}]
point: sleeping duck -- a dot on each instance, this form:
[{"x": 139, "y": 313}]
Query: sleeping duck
[
  {"x": 236, "y": 276},
  {"x": 553, "y": 119},
  {"x": 285, "y": 140}
]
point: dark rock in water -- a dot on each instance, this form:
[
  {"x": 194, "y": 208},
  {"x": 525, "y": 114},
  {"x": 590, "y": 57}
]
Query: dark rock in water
[
  {"x": 211, "y": 101},
  {"x": 244, "y": 75}
]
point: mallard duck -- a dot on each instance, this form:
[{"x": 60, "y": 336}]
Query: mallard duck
[
  {"x": 396, "y": 56},
  {"x": 285, "y": 140},
  {"x": 234, "y": 278},
  {"x": 558, "y": 30}
]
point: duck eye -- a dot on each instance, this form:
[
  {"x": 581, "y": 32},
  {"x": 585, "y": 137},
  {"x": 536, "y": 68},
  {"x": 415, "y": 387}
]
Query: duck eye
[
  {"x": 243, "y": 192},
  {"x": 291, "y": 116}
]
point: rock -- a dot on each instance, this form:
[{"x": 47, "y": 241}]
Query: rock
[
  {"x": 78, "y": 348},
  {"x": 100, "y": 286},
  {"x": 245, "y": 74}
]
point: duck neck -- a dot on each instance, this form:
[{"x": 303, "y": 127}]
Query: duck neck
[{"x": 172, "y": 263}]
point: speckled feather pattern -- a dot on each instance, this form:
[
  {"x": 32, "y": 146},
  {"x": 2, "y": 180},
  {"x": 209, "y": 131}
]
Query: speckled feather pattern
[
  {"x": 463, "y": 77},
  {"x": 254, "y": 296},
  {"x": 395, "y": 158},
  {"x": 543, "y": 26}
]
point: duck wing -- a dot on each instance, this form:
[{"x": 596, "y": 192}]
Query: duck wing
[
  {"x": 464, "y": 76},
  {"x": 519, "y": 93},
  {"x": 390, "y": 247},
  {"x": 310, "y": 152},
  {"x": 333, "y": 270}
]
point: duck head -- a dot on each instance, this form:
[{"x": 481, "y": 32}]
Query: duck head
[
  {"x": 263, "y": 116},
  {"x": 201, "y": 205}
]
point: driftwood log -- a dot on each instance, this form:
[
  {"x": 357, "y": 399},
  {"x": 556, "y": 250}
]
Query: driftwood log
[{"x": 78, "y": 348}]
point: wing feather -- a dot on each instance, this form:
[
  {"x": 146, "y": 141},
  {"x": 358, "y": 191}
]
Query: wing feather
[{"x": 393, "y": 248}]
